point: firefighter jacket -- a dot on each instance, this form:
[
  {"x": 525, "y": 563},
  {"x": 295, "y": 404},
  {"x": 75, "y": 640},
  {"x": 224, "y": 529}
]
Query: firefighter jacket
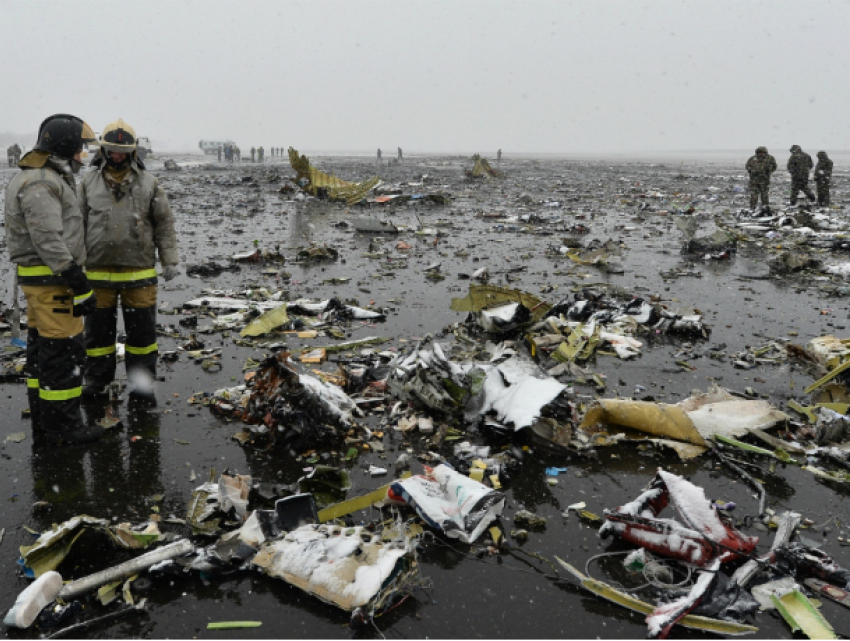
[
  {"x": 45, "y": 230},
  {"x": 127, "y": 224}
]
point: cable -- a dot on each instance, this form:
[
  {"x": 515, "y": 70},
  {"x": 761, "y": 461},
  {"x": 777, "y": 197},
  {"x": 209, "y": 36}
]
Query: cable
[
  {"x": 619, "y": 585},
  {"x": 651, "y": 575}
]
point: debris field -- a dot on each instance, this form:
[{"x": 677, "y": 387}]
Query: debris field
[{"x": 454, "y": 397}]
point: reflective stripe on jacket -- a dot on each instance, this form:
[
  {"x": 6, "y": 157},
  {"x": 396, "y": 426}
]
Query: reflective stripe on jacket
[
  {"x": 120, "y": 277},
  {"x": 44, "y": 226},
  {"x": 127, "y": 223}
]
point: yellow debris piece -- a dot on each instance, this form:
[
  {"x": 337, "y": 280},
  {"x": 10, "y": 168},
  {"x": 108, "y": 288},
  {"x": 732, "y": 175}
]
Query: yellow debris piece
[
  {"x": 482, "y": 169},
  {"x": 692, "y": 621},
  {"x": 487, "y": 296},
  {"x": 495, "y": 534},
  {"x": 658, "y": 419},
  {"x": 312, "y": 180}
]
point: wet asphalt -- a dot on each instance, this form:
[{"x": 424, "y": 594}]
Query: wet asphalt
[{"x": 158, "y": 455}]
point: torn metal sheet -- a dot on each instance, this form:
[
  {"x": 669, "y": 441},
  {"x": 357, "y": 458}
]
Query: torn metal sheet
[
  {"x": 482, "y": 169},
  {"x": 830, "y": 351},
  {"x": 802, "y": 616},
  {"x": 349, "y": 567},
  {"x": 579, "y": 345},
  {"x": 287, "y": 405},
  {"x": 267, "y": 322},
  {"x": 826, "y": 379},
  {"x": 139, "y": 537},
  {"x": 504, "y": 318},
  {"x": 516, "y": 389},
  {"x": 233, "y": 492},
  {"x": 694, "y": 420},
  {"x": 482, "y": 297},
  {"x": 205, "y": 502},
  {"x": 626, "y": 311},
  {"x": 327, "y": 484},
  {"x": 279, "y": 387},
  {"x": 666, "y": 615},
  {"x": 332, "y": 309},
  {"x": 316, "y": 183},
  {"x": 658, "y": 419},
  {"x": 707, "y": 533},
  {"x": 357, "y": 503},
  {"x": 51, "y": 548},
  {"x": 831, "y": 592},
  {"x": 215, "y": 498},
  {"x": 694, "y": 622}
]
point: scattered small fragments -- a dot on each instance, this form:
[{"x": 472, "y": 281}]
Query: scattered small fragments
[{"x": 564, "y": 369}]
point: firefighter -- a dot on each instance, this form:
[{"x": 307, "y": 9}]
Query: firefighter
[
  {"x": 128, "y": 222},
  {"x": 45, "y": 236}
]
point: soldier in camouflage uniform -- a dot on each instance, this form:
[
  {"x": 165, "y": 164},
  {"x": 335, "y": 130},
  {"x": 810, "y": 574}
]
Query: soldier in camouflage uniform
[
  {"x": 759, "y": 167},
  {"x": 823, "y": 177},
  {"x": 14, "y": 154},
  {"x": 799, "y": 165}
]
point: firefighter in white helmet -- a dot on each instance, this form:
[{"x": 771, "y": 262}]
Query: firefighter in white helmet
[{"x": 128, "y": 222}]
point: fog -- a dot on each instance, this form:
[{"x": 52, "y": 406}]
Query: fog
[{"x": 449, "y": 77}]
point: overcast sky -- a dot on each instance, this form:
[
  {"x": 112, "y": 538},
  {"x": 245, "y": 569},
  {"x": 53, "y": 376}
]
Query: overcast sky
[{"x": 457, "y": 76}]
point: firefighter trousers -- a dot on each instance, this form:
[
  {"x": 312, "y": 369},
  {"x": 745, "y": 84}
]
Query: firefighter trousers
[
  {"x": 138, "y": 306},
  {"x": 55, "y": 358}
]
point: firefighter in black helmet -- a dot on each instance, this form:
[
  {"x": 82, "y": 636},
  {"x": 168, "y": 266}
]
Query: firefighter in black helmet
[
  {"x": 45, "y": 236},
  {"x": 128, "y": 223}
]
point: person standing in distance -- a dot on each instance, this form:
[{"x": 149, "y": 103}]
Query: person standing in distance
[
  {"x": 128, "y": 222},
  {"x": 823, "y": 177},
  {"x": 45, "y": 237},
  {"x": 799, "y": 165},
  {"x": 760, "y": 167}
]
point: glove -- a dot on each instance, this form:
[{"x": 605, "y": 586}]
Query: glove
[
  {"x": 85, "y": 301},
  {"x": 169, "y": 271}
]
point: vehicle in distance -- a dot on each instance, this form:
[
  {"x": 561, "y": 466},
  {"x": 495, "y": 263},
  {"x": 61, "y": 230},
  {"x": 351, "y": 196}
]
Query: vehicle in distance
[
  {"x": 211, "y": 146},
  {"x": 143, "y": 147}
]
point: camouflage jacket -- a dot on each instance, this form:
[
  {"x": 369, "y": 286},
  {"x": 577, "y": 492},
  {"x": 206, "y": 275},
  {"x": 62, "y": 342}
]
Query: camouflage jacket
[
  {"x": 823, "y": 170},
  {"x": 800, "y": 164},
  {"x": 761, "y": 168}
]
